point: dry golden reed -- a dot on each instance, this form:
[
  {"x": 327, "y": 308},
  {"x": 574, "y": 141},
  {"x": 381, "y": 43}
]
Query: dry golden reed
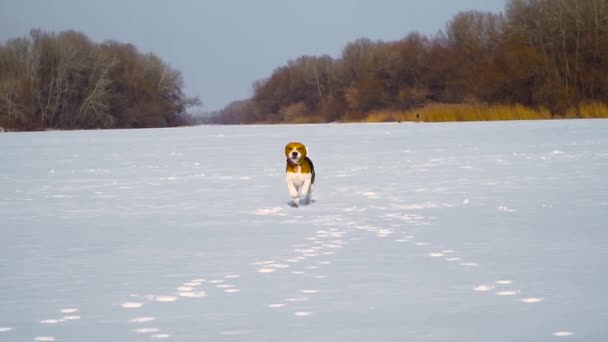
[
  {"x": 462, "y": 112},
  {"x": 588, "y": 110}
]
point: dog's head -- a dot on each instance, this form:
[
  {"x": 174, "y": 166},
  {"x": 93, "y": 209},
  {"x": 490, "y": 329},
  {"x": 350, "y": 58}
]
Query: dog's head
[{"x": 295, "y": 152}]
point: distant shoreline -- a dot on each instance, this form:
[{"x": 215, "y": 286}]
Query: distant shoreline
[
  {"x": 386, "y": 117},
  {"x": 464, "y": 113}
]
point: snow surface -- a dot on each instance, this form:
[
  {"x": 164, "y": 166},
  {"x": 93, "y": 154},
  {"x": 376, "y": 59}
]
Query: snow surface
[{"x": 419, "y": 232}]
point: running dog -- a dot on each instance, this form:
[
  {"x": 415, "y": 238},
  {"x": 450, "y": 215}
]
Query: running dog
[{"x": 300, "y": 173}]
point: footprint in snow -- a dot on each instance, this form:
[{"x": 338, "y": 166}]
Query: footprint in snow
[
  {"x": 507, "y": 293},
  {"x": 531, "y": 300},
  {"x": 160, "y": 336},
  {"x": 132, "y": 305},
  {"x": 142, "y": 319},
  {"x": 483, "y": 288},
  {"x": 504, "y": 282},
  {"x": 469, "y": 264},
  {"x": 276, "y": 211},
  {"x": 165, "y": 299},
  {"x": 193, "y": 294},
  {"x": 266, "y": 270},
  {"x": 64, "y": 318},
  {"x": 188, "y": 289},
  {"x": 235, "y": 332},
  {"x": 146, "y": 330},
  {"x": 153, "y": 332}
]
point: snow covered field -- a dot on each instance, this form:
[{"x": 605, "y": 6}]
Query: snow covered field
[{"x": 419, "y": 232}]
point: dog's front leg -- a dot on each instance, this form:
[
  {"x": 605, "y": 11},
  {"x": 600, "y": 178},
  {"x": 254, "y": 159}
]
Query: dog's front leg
[
  {"x": 309, "y": 194},
  {"x": 307, "y": 191},
  {"x": 293, "y": 192}
]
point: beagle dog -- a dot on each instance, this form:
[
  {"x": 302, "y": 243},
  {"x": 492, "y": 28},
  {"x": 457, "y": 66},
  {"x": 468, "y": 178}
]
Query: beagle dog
[{"x": 300, "y": 173}]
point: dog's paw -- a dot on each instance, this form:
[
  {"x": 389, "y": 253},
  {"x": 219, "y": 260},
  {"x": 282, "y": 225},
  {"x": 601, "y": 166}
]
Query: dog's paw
[{"x": 296, "y": 202}]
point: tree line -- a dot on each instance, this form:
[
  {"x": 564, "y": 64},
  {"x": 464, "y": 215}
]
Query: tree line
[
  {"x": 66, "y": 81},
  {"x": 545, "y": 54}
]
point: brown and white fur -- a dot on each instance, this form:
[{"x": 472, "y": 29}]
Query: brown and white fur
[{"x": 300, "y": 173}]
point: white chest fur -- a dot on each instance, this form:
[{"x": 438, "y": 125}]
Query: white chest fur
[{"x": 298, "y": 178}]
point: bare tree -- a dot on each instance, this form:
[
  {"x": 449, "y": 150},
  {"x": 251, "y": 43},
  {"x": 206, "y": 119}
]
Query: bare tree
[{"x": 94, "y": 110}]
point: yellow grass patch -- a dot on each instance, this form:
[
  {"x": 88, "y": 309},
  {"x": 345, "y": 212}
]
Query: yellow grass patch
[
  {"x": 461, "y": 112},
  {"x": 588, "y": 110}
]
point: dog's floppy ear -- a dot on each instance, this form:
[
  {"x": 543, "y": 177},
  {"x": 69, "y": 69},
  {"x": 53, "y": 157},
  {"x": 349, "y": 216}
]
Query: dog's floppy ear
[
  {"x": 287, "y": 148},
  {"x": 305, "y": 152}
]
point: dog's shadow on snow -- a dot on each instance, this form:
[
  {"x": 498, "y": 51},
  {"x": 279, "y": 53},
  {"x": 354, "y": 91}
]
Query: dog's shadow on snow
[{"x": 293, "y": 205}]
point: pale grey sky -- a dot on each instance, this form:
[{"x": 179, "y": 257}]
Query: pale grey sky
[{"x": 223, "y": 46}]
